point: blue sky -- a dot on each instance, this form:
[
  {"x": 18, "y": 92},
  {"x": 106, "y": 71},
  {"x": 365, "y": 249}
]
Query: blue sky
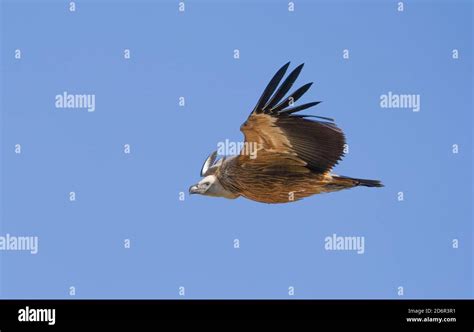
[{"x": 190, "y": 243}]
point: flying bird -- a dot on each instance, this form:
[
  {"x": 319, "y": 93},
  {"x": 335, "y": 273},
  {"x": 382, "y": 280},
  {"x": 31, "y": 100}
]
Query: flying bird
[{"x": 285, "y": 156}]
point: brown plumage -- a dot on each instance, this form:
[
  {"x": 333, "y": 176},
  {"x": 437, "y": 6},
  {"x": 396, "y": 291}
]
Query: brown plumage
[{"x": 294, "y": 154}]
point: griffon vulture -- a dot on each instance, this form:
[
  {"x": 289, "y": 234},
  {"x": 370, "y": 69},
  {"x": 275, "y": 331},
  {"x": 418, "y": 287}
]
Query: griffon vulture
[{"x": 294, "y": 153}]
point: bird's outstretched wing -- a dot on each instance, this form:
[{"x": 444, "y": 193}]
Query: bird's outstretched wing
[{"x": 275, "y": 128}]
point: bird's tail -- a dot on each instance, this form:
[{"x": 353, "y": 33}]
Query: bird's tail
[{"x": 358, "y": 182}]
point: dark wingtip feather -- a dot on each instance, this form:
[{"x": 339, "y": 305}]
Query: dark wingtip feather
[
  {"x": 303, "y": 116},
  {"x": 270, "y": 101},
  {"x": 271, "y": 87},
  {"x": 295, "y": 109},
  {"x": 283, "y": 89},
  {"x": 291, "y": 99}
]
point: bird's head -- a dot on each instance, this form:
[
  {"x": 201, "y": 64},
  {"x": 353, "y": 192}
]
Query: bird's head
[
  {"x": 204, "y": 187},
  {"x": 209, "y": 184}
]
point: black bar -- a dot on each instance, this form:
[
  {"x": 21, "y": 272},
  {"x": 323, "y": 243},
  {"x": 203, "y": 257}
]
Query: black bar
[{"x": 385, "y": 313}]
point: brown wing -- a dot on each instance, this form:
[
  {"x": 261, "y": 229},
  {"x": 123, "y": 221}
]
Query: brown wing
[
  {"x": 294, "y": 153},
  {"x": 275, "y": 128}
]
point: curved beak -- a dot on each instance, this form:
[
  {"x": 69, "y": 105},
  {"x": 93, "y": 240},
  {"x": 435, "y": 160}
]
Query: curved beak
[{"x": 193, "y": 189}]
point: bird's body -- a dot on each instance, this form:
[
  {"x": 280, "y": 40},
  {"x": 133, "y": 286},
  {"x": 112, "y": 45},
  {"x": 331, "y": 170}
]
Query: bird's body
[
  {"x": 294, "y": 154},
  {"x": 282, "y": 183}
]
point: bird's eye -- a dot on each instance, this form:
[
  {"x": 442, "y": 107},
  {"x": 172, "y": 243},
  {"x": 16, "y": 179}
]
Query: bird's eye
[{"x": 206, "y": 183}]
